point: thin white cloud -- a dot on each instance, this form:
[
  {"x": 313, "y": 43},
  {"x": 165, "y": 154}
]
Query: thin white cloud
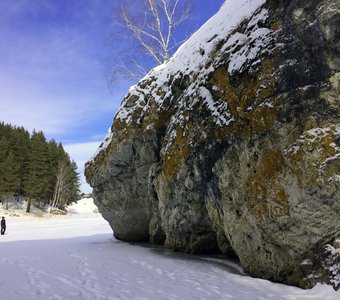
[
  {"x": 36, "y": 108},
  {"x": 81, "y": 153},
  {"x": 10, "y": 8},
  {"x": 51, "y": 77}
]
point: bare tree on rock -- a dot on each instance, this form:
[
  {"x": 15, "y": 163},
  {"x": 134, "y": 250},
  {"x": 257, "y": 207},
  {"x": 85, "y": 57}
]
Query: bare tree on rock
[{"x": 153, "y": 25}]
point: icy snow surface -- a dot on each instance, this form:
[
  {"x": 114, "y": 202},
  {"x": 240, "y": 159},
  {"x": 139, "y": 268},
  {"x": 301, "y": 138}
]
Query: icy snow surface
[{"x": 75, "y": 257}]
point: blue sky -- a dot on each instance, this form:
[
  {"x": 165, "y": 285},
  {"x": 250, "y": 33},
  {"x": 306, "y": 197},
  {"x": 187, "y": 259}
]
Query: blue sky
[{"x": 53, "y": 57}]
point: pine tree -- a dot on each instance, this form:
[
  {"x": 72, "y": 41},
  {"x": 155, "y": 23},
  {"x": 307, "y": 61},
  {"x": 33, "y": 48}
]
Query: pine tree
[
  {"x": 3, "y": 155},
  {"x": 36, "y": 184},
  {"x": 73, "y": 190},
  {"x": 11, "y": 174},
  {"x": 21, "y": 152}
]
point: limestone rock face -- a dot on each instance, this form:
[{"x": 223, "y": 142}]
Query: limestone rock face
[{"x": 234, "y": 144}]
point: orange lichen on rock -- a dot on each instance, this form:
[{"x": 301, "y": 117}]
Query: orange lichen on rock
[
  {"x": 178, "y": 151},
  {"x": 311, "y": 156},
  {"x": 267, "y": 197},
  {"x": 249, "y": 98}
]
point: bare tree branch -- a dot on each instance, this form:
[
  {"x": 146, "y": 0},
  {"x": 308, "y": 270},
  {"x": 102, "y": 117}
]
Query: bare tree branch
[{"x": 152, "y": 24}]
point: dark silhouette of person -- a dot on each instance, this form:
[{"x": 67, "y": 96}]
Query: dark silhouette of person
[{"x": 3, "y": 226}]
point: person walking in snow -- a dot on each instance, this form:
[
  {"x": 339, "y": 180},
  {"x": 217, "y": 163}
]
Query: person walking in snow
[{"x": 3, "y": 226}]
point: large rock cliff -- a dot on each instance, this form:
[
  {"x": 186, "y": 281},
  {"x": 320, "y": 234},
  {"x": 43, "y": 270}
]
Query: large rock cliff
[{"x": 234, "y": 144}]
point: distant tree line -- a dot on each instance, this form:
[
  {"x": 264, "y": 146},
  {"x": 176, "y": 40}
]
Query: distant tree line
[{"x": 38, "y": 169}]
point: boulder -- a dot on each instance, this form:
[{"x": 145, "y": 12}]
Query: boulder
[{"x": 233, "y": 145}]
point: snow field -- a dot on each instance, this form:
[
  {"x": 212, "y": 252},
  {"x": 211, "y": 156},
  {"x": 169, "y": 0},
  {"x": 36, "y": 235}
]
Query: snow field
[{"x": 76, "y": 257}]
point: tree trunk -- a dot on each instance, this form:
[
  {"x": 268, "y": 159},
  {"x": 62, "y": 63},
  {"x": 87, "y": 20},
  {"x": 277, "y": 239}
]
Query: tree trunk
[
  {"x": 56, "y": 193},
  {"x": 29, "y": 201}
]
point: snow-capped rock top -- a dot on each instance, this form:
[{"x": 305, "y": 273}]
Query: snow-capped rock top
[{"x": 195, "y": 57}]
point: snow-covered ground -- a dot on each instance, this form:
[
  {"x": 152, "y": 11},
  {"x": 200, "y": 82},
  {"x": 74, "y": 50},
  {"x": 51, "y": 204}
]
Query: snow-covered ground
[{"x": 76, "y": 257}]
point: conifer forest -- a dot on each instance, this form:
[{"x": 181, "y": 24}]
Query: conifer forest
[{"x": 35, "y": 168}]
